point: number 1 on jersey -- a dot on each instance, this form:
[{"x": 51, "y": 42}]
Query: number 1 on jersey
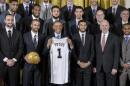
[{"x": 59, "y": 52}]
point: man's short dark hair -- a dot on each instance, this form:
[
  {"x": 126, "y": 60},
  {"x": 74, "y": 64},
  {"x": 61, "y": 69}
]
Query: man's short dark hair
[
  {"x": 79, "y": 7},
  {"x": 55, "y": 6},
  {"x": 36, "y": 5}
]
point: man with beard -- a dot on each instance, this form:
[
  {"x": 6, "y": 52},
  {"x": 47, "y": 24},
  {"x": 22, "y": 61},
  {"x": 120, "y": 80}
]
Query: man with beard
[
  {"x": 33, "y": 42},
  {"x": 26, "y": 22},
  {"x": 11, "y": 49},
  {"x": 13, "y": 6},
  {"x": 47, "y": 29}
]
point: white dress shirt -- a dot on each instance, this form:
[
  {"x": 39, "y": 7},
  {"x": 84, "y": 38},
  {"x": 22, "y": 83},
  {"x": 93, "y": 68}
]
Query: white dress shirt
[
  {"x": 106, "y": 36},
  {"x": 115, "y": 6},
  {"x": 33, "y": 17},
  {"x": 3, "y": 5},
  {"x": 124, "y": 22},
  {"x": 94, "y": 7},
  {"x": 81, "y": 34},
  {"x": 25, "y": 5},
  {"x": 33, "y": 35}
]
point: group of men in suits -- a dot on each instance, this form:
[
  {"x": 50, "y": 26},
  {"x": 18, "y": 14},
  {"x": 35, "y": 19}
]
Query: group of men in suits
[{"x": 96, "y": 42}]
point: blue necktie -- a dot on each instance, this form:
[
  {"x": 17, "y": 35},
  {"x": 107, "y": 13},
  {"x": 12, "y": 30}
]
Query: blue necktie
[
  {"x": 27, "y": 10},
  {"x": 126, "y": 40}
]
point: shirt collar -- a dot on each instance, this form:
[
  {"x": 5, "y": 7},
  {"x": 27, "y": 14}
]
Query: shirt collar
[
  {"x": 124, "y": 22},
  {"x": 25, "y": 4},
  {"x": 115, "y": 6},
  {"x": 2, "y": 4},
  {"x": 34, "y": 17},
  {"x": 126, "y": 36},
  {"x": 54, "y": 19},
  {"x": 8, "y": 29},
  {"x": 68, "y": 5},
  {"x": 34, "y": 33},
  {"x": 106, "y": 34},
  {"x": 56, "y": 34},
  {"x": 46, "y": 4},
  {"x": 82, "y": 33},
  {"x": 94, "y": 7}
]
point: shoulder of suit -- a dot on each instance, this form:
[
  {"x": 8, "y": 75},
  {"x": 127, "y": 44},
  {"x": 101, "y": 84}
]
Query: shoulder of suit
[
  {"x": 26, "y": 34},
  {"x": 86, "y": 8}
]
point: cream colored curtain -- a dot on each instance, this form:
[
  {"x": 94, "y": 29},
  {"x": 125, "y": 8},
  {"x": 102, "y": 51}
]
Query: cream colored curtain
[{"x": 84, "y": 3}]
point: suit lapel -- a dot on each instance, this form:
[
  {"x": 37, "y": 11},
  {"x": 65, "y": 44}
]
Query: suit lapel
[
  {"x": 107, "y": 41},
  {"x": 5, "y": 34},
  {"x": 99, "y": 41},
  {"x": 31, "y": 40}
]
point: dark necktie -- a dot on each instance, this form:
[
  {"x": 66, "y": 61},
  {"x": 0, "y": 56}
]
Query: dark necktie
[
  {"x": 70, "y": 9},
  {"x": 35, "y": 41},
  {"x": 9, "y": 34},
  {"x": 2, "y": 10},
  {"x": 114, "y": 11},
  {"x": 83, "y": 41},
  {"x": 46, "y": 12},
  {"x": 9, "y": 37},
  {"x": 103, "y": 43},
  {"x": 94, "y": 12},
  {"x": 27, "y": 10}
]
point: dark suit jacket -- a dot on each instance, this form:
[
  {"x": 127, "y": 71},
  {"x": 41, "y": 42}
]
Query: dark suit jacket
[
  {"x": 22, "y": 11},
  {"x": 25, "y": 25},
  {"x": 109, "y": 58},
  {"x": 7, "y": 7},
  {"x": 28, "y": 43},
  {"x": 88, "y": 14},
  {"x": 73, "y": 28},
  {"x": 118, "y": 27},
  {"x": 66, "y": 14},
  {"x": 17, "y": 19},
  {"x": 14, "y": 50},
  {"x": 95, "y": 28},
  {"x": 112, "y": 18},
  {"x": 84, "y": 52},
  {"x": 47, "y": 28}
]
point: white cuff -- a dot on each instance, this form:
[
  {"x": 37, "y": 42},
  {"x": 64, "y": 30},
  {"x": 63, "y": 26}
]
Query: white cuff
[
  {"x": 5, "y": 59},
  {"x": 15, "y": 59}
]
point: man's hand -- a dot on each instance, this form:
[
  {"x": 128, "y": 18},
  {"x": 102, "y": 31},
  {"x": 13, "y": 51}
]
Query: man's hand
[
  {"x": 126, "y": 66},
  {"x": 10, "y": 62},
  {"x": 49, "y": 43},
  {"x": 26, "y": 59},
  {"x": 94, "y": 70},
  {"x": 84, "y": 64},
  {"x": 114, "y": 71}
]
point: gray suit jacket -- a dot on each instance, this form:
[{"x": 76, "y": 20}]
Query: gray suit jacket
[
  {"x": 3, "y": 15},
  {"x": 44, "y": 12},
  {"x": 125, "y": 52}
]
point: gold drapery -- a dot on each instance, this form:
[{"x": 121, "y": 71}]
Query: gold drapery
[{"x": 84, "y": 3}]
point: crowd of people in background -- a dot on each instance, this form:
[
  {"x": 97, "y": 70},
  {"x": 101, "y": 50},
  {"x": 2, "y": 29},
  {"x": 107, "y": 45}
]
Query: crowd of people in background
[{"x": 77, "y": 46}]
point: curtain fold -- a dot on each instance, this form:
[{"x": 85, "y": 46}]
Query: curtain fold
[{"x": 84, "y": 3}]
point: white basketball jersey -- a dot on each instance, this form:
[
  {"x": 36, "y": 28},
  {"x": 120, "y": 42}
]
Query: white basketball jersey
[{"x": 59, "y": 58}]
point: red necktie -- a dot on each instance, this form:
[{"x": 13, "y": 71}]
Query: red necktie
[{"x": 103, "y": 42}]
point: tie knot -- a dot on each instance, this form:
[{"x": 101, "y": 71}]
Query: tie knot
[
  {"x": 9, "y": 31},
  {"x": 26, "y": 7},
  {"x": 126, "y": 38},
  {"x": 35, "y": 36},
  {"x": 82, "y": 35}
]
